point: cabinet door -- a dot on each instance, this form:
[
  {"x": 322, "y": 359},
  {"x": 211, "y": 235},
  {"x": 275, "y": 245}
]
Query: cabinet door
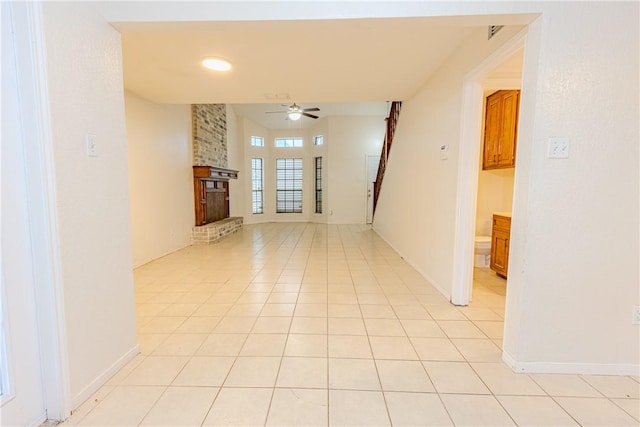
[
  {"x": 492, "y": 130},
  {"x": 500, "y": 251},
  {"x": 509, "y": 129}
]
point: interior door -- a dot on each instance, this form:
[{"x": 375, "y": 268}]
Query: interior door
[
  {"x": 372, "y": 173},
  {"x": 22, "y": 399}
]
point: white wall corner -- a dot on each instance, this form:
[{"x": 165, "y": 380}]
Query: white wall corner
[
  {"x": 101, "y": 379},
  {"x": 431, "y": 281}
]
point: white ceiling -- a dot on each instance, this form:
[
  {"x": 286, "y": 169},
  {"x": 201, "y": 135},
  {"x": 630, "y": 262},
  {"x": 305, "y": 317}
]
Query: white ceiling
[
  {"x": 342, "y": 66},
  {"x": 348, "y": 60}
]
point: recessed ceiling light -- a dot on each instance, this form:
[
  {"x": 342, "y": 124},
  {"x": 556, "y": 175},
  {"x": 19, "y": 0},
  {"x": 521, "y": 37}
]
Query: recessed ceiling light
[{"x": 216, "y": 64}]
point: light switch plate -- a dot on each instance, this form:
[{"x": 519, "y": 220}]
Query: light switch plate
[
  {"x": 558, "y": 148},
  {"x": 444, "y": 152},
  {"x": 92, "y": 145}
]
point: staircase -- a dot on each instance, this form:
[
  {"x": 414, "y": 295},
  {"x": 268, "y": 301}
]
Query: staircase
[{"x": 392, "y": 121}]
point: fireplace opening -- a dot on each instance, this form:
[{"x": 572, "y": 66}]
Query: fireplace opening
[{"x": 211, "y": 193}]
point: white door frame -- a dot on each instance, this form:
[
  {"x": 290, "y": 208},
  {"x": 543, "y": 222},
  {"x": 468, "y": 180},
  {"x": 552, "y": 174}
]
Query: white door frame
[
  {"x": 468, "y": 168},
  {"x": 45, "y": 246}
]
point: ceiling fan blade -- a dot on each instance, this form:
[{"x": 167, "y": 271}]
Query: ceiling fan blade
[
  {"x": 271, "y": 112},
  {"x": 311, "y": 109},
  {"x": 310, "y": 115}
]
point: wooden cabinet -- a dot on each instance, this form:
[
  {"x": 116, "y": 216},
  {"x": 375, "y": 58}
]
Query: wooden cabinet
[
  {"x": 501, "y": 129},
  {"x": 211, "y": 193},
  {"x": 500, "y": 232}
]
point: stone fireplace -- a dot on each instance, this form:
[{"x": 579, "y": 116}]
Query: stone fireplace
[{"x": 210, "y": 174}]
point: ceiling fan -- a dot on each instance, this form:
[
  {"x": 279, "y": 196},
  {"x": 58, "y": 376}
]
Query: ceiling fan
[{"x": 295, "y": 112}]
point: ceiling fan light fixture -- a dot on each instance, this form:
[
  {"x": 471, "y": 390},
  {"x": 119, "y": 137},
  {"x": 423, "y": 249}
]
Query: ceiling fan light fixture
[
  {"x": 216, "y": 64},
  {"x": 295, "y": 112},
  {"x": 294, "y": 115}
]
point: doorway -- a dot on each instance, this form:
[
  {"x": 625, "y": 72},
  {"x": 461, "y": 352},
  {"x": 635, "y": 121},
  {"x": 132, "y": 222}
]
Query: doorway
[
  {"x": 474, "y": 86},
  {"x": 495, "y": 186},
  {"x": 372, "y": 174}
]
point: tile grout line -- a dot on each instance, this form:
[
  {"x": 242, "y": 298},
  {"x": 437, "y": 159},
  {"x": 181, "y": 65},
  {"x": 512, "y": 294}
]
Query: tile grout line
[
  {"x": 275, "y": 381},
  {"x": 153, "y": 405},
  {"x": 424, "y": 368},
  {"x": 375, "y": 364},
  {"x": 327, "y": 365},
  {"x": 229, "y": 373},
  {"x": 367, "y": 254}
]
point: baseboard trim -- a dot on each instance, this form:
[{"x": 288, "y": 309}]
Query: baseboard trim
[
  {"x": 155, "y": 257},
  {"x": 89, "y": 390},
  {"x": 570, "y": 368},
  {"x": 37, "y": 421},
  {"x": 433, "y": 283}
]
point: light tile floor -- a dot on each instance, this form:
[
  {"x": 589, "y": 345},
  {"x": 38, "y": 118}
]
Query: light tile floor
[{"x": 307, "y": 324}]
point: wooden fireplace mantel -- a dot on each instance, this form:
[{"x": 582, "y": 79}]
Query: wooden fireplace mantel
[
  {"x": 211, "y": 172},
  {"x": 211, "y": 193}
]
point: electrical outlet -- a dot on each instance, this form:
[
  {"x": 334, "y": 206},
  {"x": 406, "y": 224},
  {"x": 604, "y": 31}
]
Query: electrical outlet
[
  {"x": 558, "y": 148},
  {"x": 635, "y": 318}
]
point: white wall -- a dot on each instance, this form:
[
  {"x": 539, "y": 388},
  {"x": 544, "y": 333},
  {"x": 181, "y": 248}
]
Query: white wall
[
  {"x": 85, "y": 86},
  {"x": 347, "y": 142},
  {"x": 160, "y": 154},
  {"x": 247, "y": 129},
  {"x": 574, "y": 247},
  {"x": 235, "y": 157},
  {"x": 321, "y": 128},
  {"x": 495, "y": 194},
  {"x": 269, "y": 154},
  {"x": 577, "y": 270},
  {"x": 416, "y": 208},
  {"x": 351, "y": 139}
]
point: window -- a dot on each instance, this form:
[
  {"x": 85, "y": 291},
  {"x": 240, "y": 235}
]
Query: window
[
  {"x": 288, "y": 142},
  {"x": 318, "y": 161},
  {"x": 289, "y": 185},
  {"x": 257, "y": 141},
  {"x": 318, "y": 140},
  {"x": 257, "y": 184}
]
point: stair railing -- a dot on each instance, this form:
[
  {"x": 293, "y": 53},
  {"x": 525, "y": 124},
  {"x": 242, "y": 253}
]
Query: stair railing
[{"x": 392, "y": 121}]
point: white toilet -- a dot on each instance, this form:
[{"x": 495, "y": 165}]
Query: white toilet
[{"x": 482, "y": 252}]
